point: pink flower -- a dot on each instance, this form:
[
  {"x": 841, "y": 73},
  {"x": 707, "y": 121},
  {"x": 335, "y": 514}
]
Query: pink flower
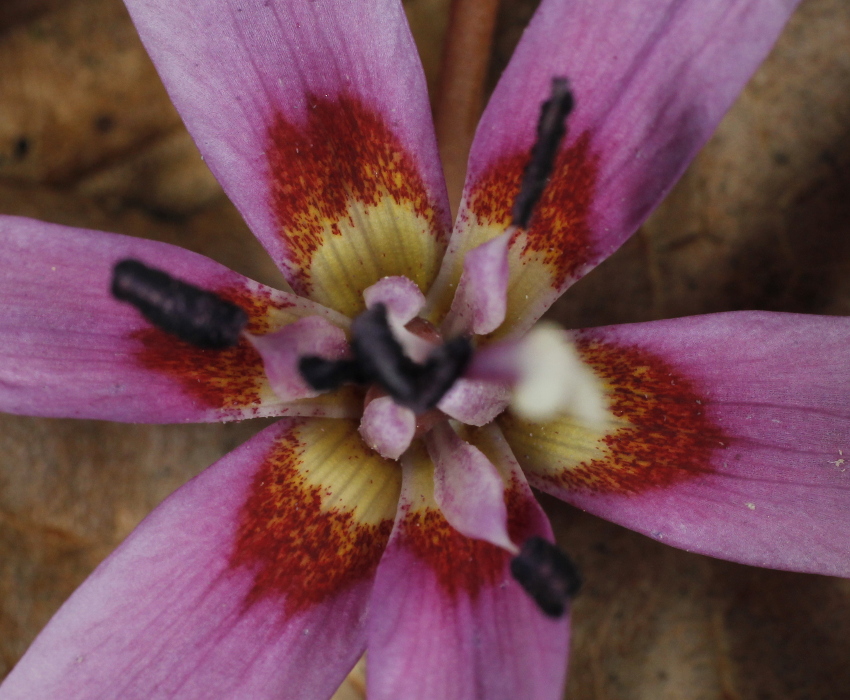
[{"x": 269, "y": 574}]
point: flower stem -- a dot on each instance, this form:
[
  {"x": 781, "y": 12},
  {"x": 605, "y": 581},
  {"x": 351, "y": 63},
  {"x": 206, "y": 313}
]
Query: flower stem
[{"x": 466, "y": 57}]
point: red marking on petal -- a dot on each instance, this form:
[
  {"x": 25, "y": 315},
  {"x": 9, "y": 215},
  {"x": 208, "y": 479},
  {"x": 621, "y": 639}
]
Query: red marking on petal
[
  {"x": 671, "y": 438},
  {"x": 461, "y": 563},
  {"x": 257, "y": 304},
  {"x": 560, "y": 229},
  {"x": 346, "y": 152},
  {"x": 295, "y": 548},
  {"x": 220, "y": 379}
]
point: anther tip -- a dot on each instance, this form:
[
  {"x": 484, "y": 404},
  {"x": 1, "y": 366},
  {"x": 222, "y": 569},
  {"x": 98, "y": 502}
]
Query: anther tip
[
  {"x": 123, "y": 274},
  {"x": 547, "y": 574},
  {"x": 551, "y": 129}
]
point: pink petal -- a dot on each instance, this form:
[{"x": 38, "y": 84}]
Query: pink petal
[
  {"x": 250, "y": 581},
  {"x": 387, "y": 427},
  {"x": 68, "y": 348},
  {"x": 651, "y": 81},
  {"x": 400, "y": 295},
  {"x": 303, "y": 110},
  {"x": 729, "y": 438},
  {"x": 498, "y": 362},
  {"x": 474, "y": 402},
  {"x": 448, "y": 621},
  {"x": 404, "y": 300},
  {"x": 468, "y": 489},
  {"x": 282, "y": 350},
  {"x": 480, "y": 300}
]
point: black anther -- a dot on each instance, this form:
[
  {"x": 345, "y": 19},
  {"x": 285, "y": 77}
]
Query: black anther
[
  {"x": 547, "y": 574},
  {"x": 551, "y": 129},
  {"x": 192, "y": 314}
]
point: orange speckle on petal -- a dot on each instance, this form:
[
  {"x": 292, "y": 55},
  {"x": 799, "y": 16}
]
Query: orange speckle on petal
[
  {"x": 296, "y": 548},
  {"x": 344, "y": 153},
  {"x": 258, "y": 304},
  {"x": 462, "y": 564},
  {"x": 218, "y": 379},
  {"x": 669, "y": 438}
]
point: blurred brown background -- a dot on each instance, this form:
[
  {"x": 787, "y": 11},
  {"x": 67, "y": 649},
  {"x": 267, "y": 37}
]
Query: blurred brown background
[{"x": 761, "y": 220}]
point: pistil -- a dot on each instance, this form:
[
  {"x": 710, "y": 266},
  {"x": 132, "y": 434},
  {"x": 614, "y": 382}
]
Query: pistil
[{"x": 380, "y": 359}]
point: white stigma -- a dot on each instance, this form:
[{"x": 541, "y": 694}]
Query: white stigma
[{"x": 553, "y": 380}]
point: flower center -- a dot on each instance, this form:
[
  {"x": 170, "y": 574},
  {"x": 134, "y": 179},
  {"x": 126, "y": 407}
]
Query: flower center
[
  {"x": 379, "y": 358},
  {"x": 417, "y": 381}
]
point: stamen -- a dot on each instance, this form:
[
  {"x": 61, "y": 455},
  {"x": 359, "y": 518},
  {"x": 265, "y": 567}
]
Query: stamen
[
  {"x": 551, "y": 129},
  {"x": 547, "y": 575},
  {"x": 327, "y": 375},
  {"x": 381, "y": 356},
  {"x": 380, "y": 359},
  {"x": 442, "y": 369},
  {"x": 193, "y": 314},
  {"x": 417, "y": 386}
]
